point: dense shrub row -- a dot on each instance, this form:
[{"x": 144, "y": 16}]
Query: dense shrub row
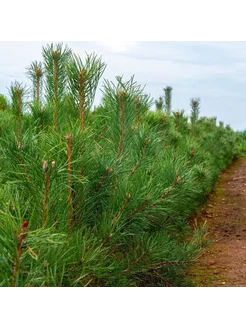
[{"x": 101, "y": 198}]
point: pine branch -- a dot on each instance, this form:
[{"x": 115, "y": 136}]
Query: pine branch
[{"x": 128, "y": 197}]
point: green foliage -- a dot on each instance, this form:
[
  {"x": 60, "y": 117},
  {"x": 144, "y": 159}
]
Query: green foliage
[
  {"x": 107, "y": 204},
  {"x": 242, "y": 142},
  {"x": 3, "y": 103}
]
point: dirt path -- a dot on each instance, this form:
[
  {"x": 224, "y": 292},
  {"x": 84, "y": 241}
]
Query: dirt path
[{"x": 224, "y": 262}]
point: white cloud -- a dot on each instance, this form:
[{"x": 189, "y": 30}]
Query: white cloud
[{"x": 118, "y": 46}]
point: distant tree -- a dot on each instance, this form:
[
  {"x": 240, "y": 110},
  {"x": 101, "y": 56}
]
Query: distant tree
[
  {"x": 159, "y": 104},
  {"x": 168, "y": 99},
  {"x": 195, "y": 107}
]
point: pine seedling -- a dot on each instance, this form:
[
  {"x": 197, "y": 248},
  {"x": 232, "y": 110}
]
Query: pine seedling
[
  {"x": 17, "y": 93},
  {"x": 121, "y": 112},
  {"x": 168, "y": 99},
  {"x": 195, "y": 107},
  {"x": 83, "y": 82},
  {"x": 180, "y": 121},
  {"x": 35, "y": 73},
  {"x": 159, "y": 104},
  {"x": 55, "y": 61}
]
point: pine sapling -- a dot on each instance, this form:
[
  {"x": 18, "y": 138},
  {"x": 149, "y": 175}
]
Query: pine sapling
[
  {"x": 159, "y": 104},
  {"x": 55, "y": 61},
  {"x": 83, "y": 80},
  {"x": 195, "y": 107},
  {"x": 168, "y": 99},
  {"x": 35, "y": 73},
  {"x": 17, "y": 92}
]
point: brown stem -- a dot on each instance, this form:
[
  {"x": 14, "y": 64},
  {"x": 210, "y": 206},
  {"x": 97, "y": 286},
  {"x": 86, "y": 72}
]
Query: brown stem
[
  {"x": 162, "y": 278},
  {"x": 141, "y": 206},
  {"x": 20, "y": 241},
  {"x": 102, "y": 181},
  {"x": 106, "y": 240},
  {"x": 69, "y": 139},
  {"x": 192, "y": 154},
  {"x": 128, "y": 197},
  {"x": 135, "y": 262},
  {"x": 176, "y": 182},
  {"x": 42, "y": 118}
]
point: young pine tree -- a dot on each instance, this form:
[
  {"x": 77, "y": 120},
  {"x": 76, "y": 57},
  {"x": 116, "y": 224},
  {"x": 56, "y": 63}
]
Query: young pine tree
[
  {"x": 35, "y": 73},
  {"x": 168, "y": 99},
  {"x": 83, "y": 82},
  {"x": 159, "y": 104},
  {"x": 17, "y": 93},
  {"x": 195, "y": 107},
  {"x": 55, "y": 60}
]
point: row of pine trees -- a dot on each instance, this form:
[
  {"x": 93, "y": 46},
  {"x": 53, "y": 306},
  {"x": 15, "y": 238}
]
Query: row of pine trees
[{"x": 101, "y": 197}]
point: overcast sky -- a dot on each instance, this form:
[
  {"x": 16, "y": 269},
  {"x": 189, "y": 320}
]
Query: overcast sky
[{"x": 213, "y": 71}]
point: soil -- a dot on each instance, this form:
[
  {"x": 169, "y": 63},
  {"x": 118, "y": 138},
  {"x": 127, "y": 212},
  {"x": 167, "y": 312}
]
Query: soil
[{"x": 224, "y": 262}]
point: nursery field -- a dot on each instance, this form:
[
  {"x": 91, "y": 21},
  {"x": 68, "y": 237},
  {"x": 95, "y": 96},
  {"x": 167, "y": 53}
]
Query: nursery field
[{"x": 103, "y": 197}]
